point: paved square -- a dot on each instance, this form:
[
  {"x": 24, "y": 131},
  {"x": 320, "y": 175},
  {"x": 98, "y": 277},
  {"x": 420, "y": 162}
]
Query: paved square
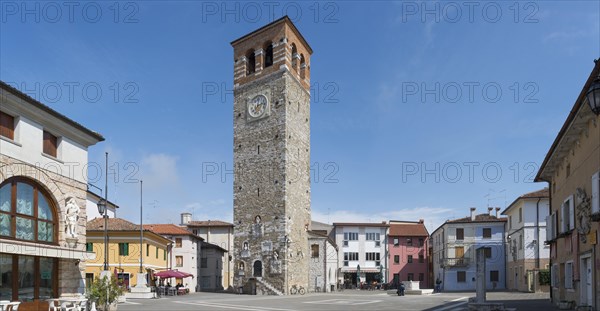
[{"x": 347, "y": 300}]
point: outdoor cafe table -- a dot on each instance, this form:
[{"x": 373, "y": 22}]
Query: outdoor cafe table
[{"x": 70, "y": 303}]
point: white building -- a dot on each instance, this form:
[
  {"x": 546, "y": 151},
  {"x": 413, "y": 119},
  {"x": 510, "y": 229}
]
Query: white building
[
  {"x": 362, "y": 253},
  {"x": 43, "y": 190},
  {"x": 185, "y": 252},
  {"x": 455, "y": 243},
  {"x": 215, "y": 232},
  {"x": 525, "y": 228},
  {"x": 92, "y": 206}
]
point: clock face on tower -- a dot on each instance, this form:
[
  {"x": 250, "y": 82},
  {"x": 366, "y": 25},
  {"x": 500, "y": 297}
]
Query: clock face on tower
[{"x": 257, "y": 106}]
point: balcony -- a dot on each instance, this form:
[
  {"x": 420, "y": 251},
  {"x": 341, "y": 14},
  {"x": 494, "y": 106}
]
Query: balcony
[{"x": 455, "y": 262}]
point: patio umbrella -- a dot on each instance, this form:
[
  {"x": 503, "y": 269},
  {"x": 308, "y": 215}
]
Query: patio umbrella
[
  {"x": 173, "y": 274},
  {"x": 381, "y": 274},
  {"x": 358, "y": 275}
]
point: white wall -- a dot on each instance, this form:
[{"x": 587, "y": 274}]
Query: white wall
[
  {"x": 28, "y": 146},
  {"x": 190, "y": 252}
]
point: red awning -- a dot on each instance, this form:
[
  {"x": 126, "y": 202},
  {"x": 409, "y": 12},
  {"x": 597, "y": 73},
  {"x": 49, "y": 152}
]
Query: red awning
[{"x": 173, "y": 274}]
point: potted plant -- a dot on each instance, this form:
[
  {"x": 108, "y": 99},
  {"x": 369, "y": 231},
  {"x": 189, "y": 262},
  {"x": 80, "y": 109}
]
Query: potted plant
[{"x": 104, "y": 292}]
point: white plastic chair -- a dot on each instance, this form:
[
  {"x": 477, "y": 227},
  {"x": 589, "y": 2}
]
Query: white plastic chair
[
  {"x": 82, "y": 305},
  {"x": 53, "y": 305},
  {"x": 12, "y": 306}
]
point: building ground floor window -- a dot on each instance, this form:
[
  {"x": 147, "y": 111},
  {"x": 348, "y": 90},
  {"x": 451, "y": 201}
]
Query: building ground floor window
[{"x": 28, "y": 278}]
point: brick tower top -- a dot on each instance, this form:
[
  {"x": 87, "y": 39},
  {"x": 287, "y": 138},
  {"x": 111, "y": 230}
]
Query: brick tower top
[{"x": 273, "y": 47}]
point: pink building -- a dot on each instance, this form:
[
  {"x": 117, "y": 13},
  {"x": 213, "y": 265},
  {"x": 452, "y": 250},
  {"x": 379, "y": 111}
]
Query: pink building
[{"x": 408, "y": 245}]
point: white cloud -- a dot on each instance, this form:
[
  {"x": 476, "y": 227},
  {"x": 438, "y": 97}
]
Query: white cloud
[
  {"x": 159, "y": 171},
  {"x": 433, "y": 216}
]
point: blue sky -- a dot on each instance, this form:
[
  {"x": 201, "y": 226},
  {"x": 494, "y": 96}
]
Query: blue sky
[{"x": 419, "y": 109}]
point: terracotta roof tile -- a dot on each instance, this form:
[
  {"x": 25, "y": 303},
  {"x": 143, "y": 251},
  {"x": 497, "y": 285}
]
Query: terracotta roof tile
[
  {"x": 209, "y": 223},
  {"x": 542, "y": 193},
  {"x": 114, "y": 224},
  {"x": 408, "y": 229},
  {"x": 167, "y": 229}
]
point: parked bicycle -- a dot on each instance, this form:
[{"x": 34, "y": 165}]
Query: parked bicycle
[{"x": 297, "y": 290}]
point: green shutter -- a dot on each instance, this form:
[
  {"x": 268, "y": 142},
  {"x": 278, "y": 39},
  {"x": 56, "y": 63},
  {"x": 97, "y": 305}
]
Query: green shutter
[
  {"x": 126, "y": 249},
  {"x": 157, "y": 252},
  {"x": 164, "y": 255},
  {"x": 89, "y": 247}
]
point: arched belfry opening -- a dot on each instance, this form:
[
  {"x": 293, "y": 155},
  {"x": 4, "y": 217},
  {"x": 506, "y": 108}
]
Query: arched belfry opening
[
  {"x": 251, "y": 62},
  {"x": 302, "y": 66},
  {"x": 258, "y": 267},
  {"x": 295, "y": 57},
  {"x": 268, "y": 54}
]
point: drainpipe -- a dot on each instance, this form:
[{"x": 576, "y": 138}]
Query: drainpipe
[{"x": 537, "y": 228}]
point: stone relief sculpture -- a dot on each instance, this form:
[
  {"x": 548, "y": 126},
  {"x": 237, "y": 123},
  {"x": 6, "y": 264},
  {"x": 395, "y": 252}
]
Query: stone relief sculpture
[
  {"x": 245, "y": 250},
  {"x": 275, "y": 263},
  {"x": 583, "y": 215},
  {"x": 257, "y": 228},
  {"x": 71, "y": 217}
]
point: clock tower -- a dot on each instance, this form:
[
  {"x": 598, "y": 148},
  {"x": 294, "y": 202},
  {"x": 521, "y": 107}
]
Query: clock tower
[{"x": 271, "y": 151}]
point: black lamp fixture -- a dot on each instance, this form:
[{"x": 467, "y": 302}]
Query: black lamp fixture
[
  {"x": 593, "y": 96},
  {"x": 101, "y": 207}
]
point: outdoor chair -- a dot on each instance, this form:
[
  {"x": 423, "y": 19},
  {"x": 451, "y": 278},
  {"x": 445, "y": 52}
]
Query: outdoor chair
[
  {"x": 53, "y": 305},
  {"x": 12, "y": 306},
  {"x": 82, "y": 305}
]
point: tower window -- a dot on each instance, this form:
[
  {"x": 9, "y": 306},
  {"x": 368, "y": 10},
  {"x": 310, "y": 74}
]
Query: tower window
[
  {"x": 294, "y": 56},
  {"x": 302, "y": 66},
  {"x": 251, "y": 63},
  {"x": 269, "y": 56},
  {"x": 258, "y": 191},
  {"x": 258, "y": 149}
]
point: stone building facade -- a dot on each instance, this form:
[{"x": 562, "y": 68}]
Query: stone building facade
[
  {"x": 43, "y": 197},
  {"x": 572, "y": 170},
  {"x": 271, "y": 158},
  {"x": 323, "y": 262}
]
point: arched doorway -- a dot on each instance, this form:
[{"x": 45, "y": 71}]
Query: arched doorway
[{"x": 257, "y": 269}]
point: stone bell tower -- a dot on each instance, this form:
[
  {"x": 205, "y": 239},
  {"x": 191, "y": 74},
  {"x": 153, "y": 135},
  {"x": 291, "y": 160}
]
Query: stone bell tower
[{"x": 271, "y": 188}]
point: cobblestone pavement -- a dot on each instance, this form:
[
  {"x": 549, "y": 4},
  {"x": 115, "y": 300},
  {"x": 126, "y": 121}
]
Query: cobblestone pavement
[{"x": 347, "y": 300}]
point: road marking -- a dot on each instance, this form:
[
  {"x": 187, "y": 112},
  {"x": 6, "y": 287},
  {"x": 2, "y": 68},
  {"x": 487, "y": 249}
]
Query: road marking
[
  {"x": 454, "y": 305},
  {"x": 235, "y": 307},
  {"x": 342, "y": 302}
]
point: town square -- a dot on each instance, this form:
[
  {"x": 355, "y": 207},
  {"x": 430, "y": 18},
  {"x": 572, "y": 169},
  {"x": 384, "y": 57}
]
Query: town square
[{"x": 297, "y": 155}]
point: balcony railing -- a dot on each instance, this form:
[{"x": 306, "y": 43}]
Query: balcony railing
[{"x": 455, "y": 262}]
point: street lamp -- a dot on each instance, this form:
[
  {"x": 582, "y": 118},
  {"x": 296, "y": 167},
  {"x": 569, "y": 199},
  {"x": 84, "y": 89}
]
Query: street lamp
[
  {"x": 593, "y": 96},
  {"x": 103, "y": 211}
]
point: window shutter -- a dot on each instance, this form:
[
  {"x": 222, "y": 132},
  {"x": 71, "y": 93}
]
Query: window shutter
[
  {"x": 595, "y": 193},
  {"x": 549, "y": 228},
  {"x": 562, "y": 218},
  {"x": 569, "y": 275},
  {"x": 571, "y": 213}
]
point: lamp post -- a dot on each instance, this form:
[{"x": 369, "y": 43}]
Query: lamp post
[
  {"x": 593, "y": 96},
  {"x": 103, "y": 210}
]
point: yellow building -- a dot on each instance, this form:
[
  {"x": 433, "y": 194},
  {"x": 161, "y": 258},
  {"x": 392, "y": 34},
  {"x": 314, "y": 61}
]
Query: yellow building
[{"x": 124, "y": 250}]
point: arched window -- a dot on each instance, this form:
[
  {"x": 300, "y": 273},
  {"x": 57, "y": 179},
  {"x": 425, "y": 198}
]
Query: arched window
[
  {"x": 302, "y": 66},
  {"x": 251, "y": 62},
  {"x": 294, "y": 57},
  {"x": 26, "y": 212},
  {"x": 269, "y": 55}
]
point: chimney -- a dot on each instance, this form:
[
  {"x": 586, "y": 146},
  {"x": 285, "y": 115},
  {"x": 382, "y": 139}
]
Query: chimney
[
  {"x": 472, "y": 213},
  {"x": 186, "y": 218},
  {"x": 497, "y": 210},
  {"x": 490, "y": 209},
  {"x": 421, "y": 221}
]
